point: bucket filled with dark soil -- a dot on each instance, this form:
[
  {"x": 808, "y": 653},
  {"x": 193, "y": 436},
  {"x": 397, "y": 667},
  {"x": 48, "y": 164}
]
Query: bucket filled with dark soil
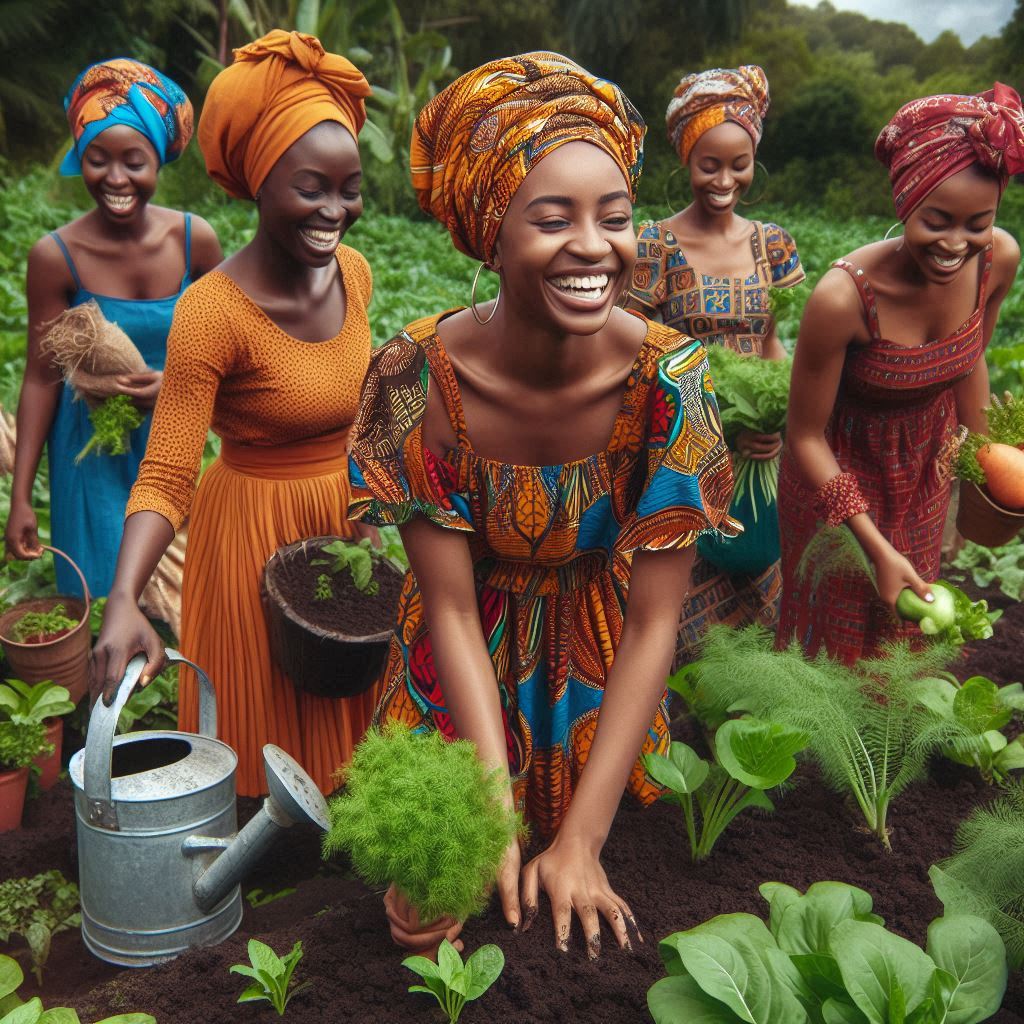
[{"x": 328, "y": 635}]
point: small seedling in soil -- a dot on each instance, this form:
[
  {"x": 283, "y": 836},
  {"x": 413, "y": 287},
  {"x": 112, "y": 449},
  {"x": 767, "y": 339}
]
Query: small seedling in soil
[
  {"x": 324, "y": 591},
  {"x": 271, "y": 974},
  {"x": 13, "y": 1010},
  {"x": 40, "y": 627},
  {"x": 112, "y": 424},
  {"x": 38, "y": 908},
  {"x": 358, "y": 559},
  {"x": 259, "y": 898},
  {"x": 751, "y": 756},
  {"x": 454, "y": 983}
]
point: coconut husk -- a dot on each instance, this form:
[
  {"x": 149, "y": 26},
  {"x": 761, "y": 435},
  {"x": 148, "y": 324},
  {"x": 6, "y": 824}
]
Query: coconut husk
[
  {"x": 7, "y": 438},
  {"x": 87, "y": 347},
  {"x": 162, "y": 597}
]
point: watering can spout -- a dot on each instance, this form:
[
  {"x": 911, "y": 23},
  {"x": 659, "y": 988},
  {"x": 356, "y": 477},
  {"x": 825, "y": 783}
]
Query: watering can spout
[{"x": 293, "y": 798}]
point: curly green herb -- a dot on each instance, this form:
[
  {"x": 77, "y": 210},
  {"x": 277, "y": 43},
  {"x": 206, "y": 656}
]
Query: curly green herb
[{"x": 112, "y": 423}]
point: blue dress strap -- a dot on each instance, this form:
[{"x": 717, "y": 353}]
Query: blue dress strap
[{"x": 67, "y": 257}]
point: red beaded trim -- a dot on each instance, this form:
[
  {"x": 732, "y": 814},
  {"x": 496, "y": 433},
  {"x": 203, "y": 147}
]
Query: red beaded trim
[{"x": 838, "y": 499}]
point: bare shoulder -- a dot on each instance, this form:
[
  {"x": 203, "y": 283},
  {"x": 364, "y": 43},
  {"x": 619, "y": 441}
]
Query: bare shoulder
[
  {"x": 48, "y": 267},
  {"x": 1005, "y": 256},
  {"x": 833, "y": 316},
  {"x": 206, "y": 250}
]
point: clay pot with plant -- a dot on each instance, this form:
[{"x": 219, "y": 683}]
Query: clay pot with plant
[
  {"x": 45, "y": 703},
  {"x": 331, "y": 605},
  {"x": 20, "y": 745},
  {"x": 48, "y": 638}
]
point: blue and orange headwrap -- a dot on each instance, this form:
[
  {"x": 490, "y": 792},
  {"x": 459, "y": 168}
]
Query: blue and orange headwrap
[{"x": 128, "y": 92}]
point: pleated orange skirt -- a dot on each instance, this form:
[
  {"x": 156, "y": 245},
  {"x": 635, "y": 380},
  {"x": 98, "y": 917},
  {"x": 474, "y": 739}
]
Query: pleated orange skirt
[{"x": 251, "y": 501}]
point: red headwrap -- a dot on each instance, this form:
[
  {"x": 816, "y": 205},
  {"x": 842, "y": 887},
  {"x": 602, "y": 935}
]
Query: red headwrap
[{"x": 935, "y": 137}]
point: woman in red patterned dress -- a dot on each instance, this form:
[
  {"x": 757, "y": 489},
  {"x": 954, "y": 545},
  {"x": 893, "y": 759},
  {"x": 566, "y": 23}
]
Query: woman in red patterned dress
[{"x": 889, "y": 361}]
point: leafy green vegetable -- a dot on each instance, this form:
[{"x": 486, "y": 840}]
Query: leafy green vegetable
[
  {"x": 324, "y": 591},
  {"x": 752, "y": 756},
  {"x": 454, "y": 983},
  {"x": 985, "y": 874},
  {"x": 982, "y": 709},
  {"x": 21, "y": 743},
  {"x": 1003, "y": 566},
  {"x": 752, "y": 393},
  {"x": 271, "y": 974},
  {"x": 23, "y": 702},
  {"x": 952, "y": 617},
  {"x": 825, "y": 957},
  {"x": 398, "y": 786},
  {"x": 865, "y": 726},
  {"x": 112, "y": 423},
  {"x": 42, "y": 624},
  {"x": 38, "y": 908}
]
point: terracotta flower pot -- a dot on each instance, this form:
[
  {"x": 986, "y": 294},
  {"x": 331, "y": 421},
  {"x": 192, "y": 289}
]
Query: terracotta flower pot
[
  {"x": 981, "y": 520},
  {"x": 64, "y": 659},
  {"x": 12, "y": 798},
  {"x": 49, "y": 764}
]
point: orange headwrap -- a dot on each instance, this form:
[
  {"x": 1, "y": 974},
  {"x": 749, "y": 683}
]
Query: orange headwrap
[
  {"x": 277, "y": 89},
  {"x": 475, "y": 142},
  {"x": 706, "y": 99}
]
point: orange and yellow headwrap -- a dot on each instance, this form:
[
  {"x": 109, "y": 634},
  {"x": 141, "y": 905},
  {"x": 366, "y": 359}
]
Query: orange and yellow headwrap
[
  {"x": 278, "y": 88},
  {"x": 475, "y": 142},
  {"x": 706, "y": 99}
]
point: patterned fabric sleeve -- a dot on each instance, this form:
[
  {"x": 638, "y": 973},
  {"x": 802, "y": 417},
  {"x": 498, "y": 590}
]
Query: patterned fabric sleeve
[
  {"x": 648, "y": 290},
  {"x": 392, "y": 474},
  {"x": 688, "y": 482},
  {"x": 784, "y": 260}
]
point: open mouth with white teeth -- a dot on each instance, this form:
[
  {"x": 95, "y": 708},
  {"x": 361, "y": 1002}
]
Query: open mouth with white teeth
[
  {"x": 591, "y": 286},
  {"x": 119, "y": 203},
  {"x": 321, "y": 239},
  {"x": 722, "y": 198},
  {"x": 947, "y": 262}
]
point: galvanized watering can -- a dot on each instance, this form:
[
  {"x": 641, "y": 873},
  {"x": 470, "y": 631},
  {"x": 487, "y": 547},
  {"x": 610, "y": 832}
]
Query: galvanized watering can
[{"x": 159, "y": 857}]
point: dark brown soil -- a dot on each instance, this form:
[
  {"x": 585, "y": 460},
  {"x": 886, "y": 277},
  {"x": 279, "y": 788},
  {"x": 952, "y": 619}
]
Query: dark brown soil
[
  {"x": 357, "y": 974},
  {"x": 349, "y": 612}
]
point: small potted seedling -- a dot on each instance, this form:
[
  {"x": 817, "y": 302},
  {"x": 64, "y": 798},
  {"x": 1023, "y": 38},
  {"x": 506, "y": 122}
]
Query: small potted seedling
[
  {"x": 331, "y": 606},
  {"x": 429, "y": 817},
  {"x": 271, "y": 975},
  {"x": 49, "y": 638},
  {"x": 44, "y": 702},
  {"x": 20, "y": 744}
]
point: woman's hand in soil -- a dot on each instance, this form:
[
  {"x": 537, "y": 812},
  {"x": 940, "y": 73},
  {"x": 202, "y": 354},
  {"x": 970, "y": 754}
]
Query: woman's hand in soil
[
  {"x": 508, "y": 887},
  {"x": 894, "y": 575},
  {"x": 752, "y": 445},
  {"x": 414, "y": 935},
  {"x": 142, "y": 388},
  {"x": 21, "y": 537},
  {"x": 572, "y": 876},
  {"x": 125, "y": 633}
]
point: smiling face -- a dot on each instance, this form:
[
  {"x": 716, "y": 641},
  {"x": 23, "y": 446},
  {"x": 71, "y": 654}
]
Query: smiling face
[
  {"x": 953, "y": 224},
  {"x": 721, "y": 168},
  {"x": 119, "y": 168},
  {"x": 566, "y": 247},
  {"x": 311, "y": 196}
]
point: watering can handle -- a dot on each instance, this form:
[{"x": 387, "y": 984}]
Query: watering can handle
[{"x": 99, "y": 742}]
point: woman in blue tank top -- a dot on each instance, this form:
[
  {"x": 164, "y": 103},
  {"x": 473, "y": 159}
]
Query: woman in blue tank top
[{"x": 134, "y": 260}]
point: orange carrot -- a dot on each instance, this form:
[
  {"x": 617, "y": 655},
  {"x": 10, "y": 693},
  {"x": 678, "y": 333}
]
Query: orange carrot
[{"x": 1003, "y": 466}]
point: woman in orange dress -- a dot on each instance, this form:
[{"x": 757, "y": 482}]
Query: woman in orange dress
[
  {"x": 542, "y": 454},
  {"x": 269, "y": 349}
]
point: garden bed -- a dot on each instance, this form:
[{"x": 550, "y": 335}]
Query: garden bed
[{"x": 357, "y": 974}]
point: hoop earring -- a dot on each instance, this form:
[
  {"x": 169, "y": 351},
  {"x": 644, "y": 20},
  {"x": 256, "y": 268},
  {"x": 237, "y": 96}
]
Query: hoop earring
[
  {"x": 892, "y": 228},
  {"x": 472, "y": 299},
  {"x": 669, "y": 202},
  {"x": 750, "y": 202}
]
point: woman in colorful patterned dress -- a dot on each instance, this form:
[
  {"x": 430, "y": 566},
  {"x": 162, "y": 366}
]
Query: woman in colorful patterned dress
[
  {"x": 269, "y": 349},
  {"x": 708, "y": 272},
  {"x": 530, "y": 449},
  {"x": 134, "y": 259},
  {"x": 889, "y": 360}
]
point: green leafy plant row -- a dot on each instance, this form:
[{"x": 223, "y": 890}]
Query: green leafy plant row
[{"x": 826, "y": 958}]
